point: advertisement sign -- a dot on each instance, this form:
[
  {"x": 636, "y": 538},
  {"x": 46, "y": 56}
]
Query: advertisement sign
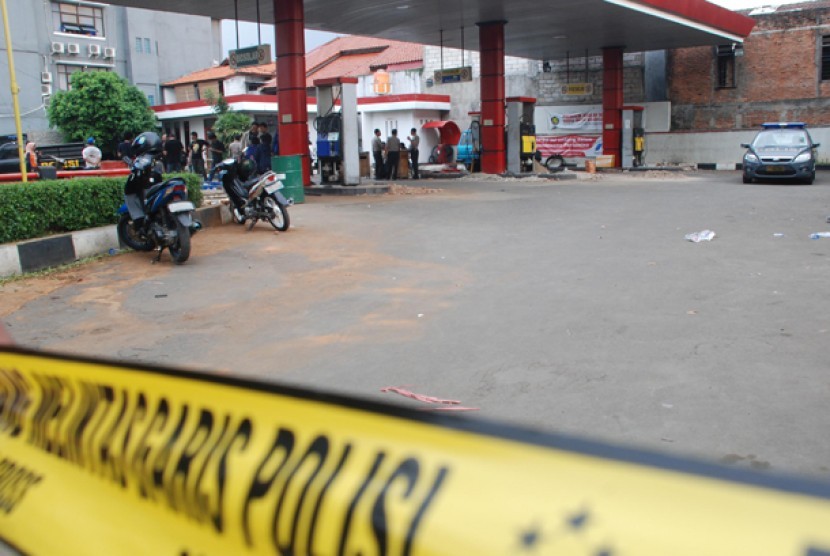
[
  {"x": 454, "y": 75},
  {"x": 576, "y": 118},
  {"x": 578, "y": 89},
  {"x": 251, "y": 56},
  {"x": 569, "y": 146}
]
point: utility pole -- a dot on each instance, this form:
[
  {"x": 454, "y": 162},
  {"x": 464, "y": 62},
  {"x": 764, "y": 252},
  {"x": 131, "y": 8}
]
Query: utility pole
[{"x": 15, "y": 93}]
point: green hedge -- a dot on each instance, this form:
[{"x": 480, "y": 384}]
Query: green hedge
[{"x": 45, "y": 207}]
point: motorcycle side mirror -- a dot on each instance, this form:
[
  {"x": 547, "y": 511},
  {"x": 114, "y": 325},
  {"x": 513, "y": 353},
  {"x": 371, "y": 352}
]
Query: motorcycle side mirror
[{"x": 745, "y": 145}]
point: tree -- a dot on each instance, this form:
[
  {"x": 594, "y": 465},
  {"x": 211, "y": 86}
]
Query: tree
[
  {"x": 228, "y": 123},
  {"x": 102, "y": 105}
]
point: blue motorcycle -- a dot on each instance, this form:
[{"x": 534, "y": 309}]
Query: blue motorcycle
[{"x": 156, "y": 214}]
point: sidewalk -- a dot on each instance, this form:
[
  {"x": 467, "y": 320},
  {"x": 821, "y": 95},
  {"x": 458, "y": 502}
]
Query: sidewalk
[{"x": 36, "y": 254}]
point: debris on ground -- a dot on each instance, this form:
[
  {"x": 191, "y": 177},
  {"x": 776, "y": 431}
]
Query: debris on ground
[
  {"x": 397, "y": 189},
  {"x": 819, "y": 235},
  {"x": 446, "y": 405},
  {"x": 697, "y": 237}
]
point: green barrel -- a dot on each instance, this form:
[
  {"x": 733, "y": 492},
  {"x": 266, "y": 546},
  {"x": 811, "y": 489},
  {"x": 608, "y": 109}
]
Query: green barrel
[{"x": 291, "y": 166}]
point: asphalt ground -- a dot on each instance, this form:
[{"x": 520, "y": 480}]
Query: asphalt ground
[{"x": 576, "y": 307}]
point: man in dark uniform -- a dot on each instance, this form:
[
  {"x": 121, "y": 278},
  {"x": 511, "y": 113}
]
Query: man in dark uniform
[
  {"x": 393, "y": 155},
  {"x": 377, "y": 152}
]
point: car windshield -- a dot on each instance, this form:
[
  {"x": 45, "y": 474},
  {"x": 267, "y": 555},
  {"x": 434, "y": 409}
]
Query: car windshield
[{"x": 781, "y": 138}]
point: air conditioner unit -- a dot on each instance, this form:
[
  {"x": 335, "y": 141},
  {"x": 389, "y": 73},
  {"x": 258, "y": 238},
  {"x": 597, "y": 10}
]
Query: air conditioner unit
[
  {"x": 45, "y": 90},
  {"x": 73, "y": 48},
  {"x": 94, "y": 50},
  {"x": 57, "y": 48},
  {"x": 45, "y": 77},
  {"x": 109, "y": 52}
]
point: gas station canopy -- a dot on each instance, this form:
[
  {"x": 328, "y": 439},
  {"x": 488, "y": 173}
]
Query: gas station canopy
[{"x": 535, "y": 30}]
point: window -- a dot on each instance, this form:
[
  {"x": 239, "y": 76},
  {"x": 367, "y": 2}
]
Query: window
[
  {"x": 78, "y": 19},
  {"x": 725, "y": 55},
  {"x": 151, "y": 99},
  {"x": 65, "y": 72},
  {"x": 138, "y": 48},
  {"x": 825, "y": 58},
  {"x": 147, "y": 48}
]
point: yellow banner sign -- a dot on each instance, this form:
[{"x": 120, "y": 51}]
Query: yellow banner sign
[
  {"x": 578, "y": 89},
  {"x": 99, "y": 458}
]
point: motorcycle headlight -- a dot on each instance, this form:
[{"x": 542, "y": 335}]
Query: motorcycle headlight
[
  {"x": 803, "y": 157},
  {"x": 749, "y": 157}
]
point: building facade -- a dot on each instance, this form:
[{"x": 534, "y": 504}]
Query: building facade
[{"x": 53, "y": 39}]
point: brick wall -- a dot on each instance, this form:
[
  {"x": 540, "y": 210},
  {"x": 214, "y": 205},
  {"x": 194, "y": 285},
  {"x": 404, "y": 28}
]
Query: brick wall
[
  {"x": 778, "y": 77},
  {"x": 530, "y": 80}
]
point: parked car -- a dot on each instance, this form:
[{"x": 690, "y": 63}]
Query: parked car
[
  {"x": 9, "y": 161},
  {"x": 468, "y": 152},
  {"x": 782, "y": 150}
]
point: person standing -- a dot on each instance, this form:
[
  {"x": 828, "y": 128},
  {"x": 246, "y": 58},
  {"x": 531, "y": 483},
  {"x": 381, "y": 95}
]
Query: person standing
[
  {"x": 265, "y": 138},
  {"x": 377, "y": 153},
  {"x": 414, "y": 143},
  {"x": 91, "y": 155},
  {"x": 31, "y": 156},
  {"x": 393, "y": 155},
  {"x": 196, "y": 154},
  {"x": 125, "y": 148},
  {"x": 235, "y": 148},
  {"x": 173, "y": 150},
  {"x": 252, "y": 151},
  {"x": 217, "y": 149},
  {"x": 246, "y": 137}
]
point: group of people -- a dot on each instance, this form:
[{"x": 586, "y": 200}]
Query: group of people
[
  {"x": 256, "y": 144},
  {"x": 387, "y": 154},
  {"x": 91, "y": 156},
  {"x": 196, "y": 157}
]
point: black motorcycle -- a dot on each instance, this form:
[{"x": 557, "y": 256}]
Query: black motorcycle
[
  {"x": 254, "y": 197},
  {"x": 156, "y": 214}
]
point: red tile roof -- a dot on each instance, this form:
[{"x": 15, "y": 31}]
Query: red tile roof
[
  {"x": 353, "y": 56},
  {"x": 349, "y": 56},
  {"x": 224, "y": 71}
]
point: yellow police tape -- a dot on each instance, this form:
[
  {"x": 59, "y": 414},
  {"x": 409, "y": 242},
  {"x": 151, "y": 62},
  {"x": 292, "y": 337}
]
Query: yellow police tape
[{"x": 100, "y": 458}]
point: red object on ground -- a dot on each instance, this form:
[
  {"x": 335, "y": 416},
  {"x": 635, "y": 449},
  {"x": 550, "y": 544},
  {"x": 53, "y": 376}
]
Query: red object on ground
[{"x": 420, "y": 397}]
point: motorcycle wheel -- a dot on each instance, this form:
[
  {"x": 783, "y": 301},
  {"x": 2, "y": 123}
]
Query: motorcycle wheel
[
  {"x": 180, "y": 249},
  {"x": 279, "y": 220},
  {"x": 130, "y": 237},
  {"x": 555, "y": 163}
]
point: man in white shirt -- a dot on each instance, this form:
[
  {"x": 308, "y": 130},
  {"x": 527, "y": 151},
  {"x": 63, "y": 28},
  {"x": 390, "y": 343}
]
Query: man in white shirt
[{"x": 91, "y": 155}]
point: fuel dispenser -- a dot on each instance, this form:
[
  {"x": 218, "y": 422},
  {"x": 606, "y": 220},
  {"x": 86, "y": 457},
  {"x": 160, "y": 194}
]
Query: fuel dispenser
[
  {"x": 337, "y": 132},
  {"x": 633, "y": 136},
  {"x": 521, "y": 135}
]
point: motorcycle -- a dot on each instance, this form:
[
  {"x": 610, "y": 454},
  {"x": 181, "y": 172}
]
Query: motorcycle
[
  {"x": 156, "y": 214},
  {"x": 257, "y": 198}
]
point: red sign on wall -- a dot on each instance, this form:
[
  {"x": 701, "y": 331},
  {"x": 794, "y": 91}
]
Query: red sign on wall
[{"x": 571, "y": 146}]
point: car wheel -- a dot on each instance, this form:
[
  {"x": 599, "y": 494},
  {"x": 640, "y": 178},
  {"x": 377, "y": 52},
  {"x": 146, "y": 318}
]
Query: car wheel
[
  {"x": 747, "y": 179},
  {"x": 810, "y": 180}
]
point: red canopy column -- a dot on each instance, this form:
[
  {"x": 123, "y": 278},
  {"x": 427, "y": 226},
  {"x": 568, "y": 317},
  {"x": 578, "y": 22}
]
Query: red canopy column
[
  {"x": 491, "y": 47},
  {"x": 612, "y": 102},
  {"x": 289, "y": 20}
]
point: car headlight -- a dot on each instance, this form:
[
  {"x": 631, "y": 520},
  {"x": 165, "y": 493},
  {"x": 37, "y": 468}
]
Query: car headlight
[
  {"x": 749, "y": 157},
  {"x": 804, "y": 157}
]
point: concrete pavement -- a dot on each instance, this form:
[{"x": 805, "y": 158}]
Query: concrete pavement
[{"x": 575, "y": 306}]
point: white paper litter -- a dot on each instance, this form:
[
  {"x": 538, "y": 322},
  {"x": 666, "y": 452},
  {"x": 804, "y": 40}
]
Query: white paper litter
[{"x": 697, "y": 237}]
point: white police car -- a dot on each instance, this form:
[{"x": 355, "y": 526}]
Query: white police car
[{"x": 781, "y": 151}]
